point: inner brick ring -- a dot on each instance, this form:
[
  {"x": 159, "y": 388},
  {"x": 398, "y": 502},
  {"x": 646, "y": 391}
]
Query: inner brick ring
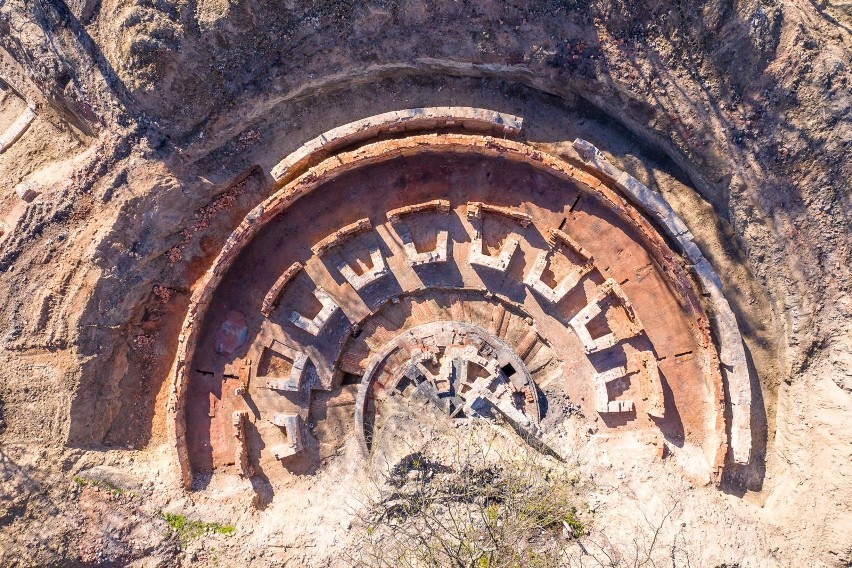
[{"x": 460, "y": 367}]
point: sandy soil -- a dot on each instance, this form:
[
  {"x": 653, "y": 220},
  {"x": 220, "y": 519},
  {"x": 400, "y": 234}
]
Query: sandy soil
[{"x": 157, "y": 125}]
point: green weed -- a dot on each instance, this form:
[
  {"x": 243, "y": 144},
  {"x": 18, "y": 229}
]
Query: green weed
[
  {"x": 106, "y": 485},
  {"x": 188, "y": 530}
]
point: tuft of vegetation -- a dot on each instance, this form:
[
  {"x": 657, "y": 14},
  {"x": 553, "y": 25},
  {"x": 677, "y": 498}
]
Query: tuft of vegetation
[
  {"x": 105, "y": 485},
  {"x": 467, "y": 495},
  {"x": 478, "y": 510},
  {"x": 188, "y": 530}
]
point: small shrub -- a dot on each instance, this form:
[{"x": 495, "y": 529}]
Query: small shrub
[{"x": 501, "y": 512}]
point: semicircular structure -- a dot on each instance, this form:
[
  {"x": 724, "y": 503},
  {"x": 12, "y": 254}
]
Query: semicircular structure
[{"x": 466, "y": 271}]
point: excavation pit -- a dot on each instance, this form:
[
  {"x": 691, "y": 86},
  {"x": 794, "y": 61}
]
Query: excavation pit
[{"x": 481, "y": 274}]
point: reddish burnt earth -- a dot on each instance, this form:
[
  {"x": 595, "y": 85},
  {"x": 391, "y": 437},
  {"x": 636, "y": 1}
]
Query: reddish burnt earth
[{"x": 577, "y": 286}]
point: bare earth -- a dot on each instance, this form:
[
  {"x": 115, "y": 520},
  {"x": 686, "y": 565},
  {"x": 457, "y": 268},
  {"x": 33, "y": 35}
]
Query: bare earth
[{"x": 156, "y": 128}]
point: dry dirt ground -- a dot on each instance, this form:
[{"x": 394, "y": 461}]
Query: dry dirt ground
[{"x": 156, "y": 124}]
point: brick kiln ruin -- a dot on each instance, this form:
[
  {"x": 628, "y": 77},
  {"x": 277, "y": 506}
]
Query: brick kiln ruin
[
  {"x": 486, "y": 277},
  {"x": 272, "y": 274}
]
